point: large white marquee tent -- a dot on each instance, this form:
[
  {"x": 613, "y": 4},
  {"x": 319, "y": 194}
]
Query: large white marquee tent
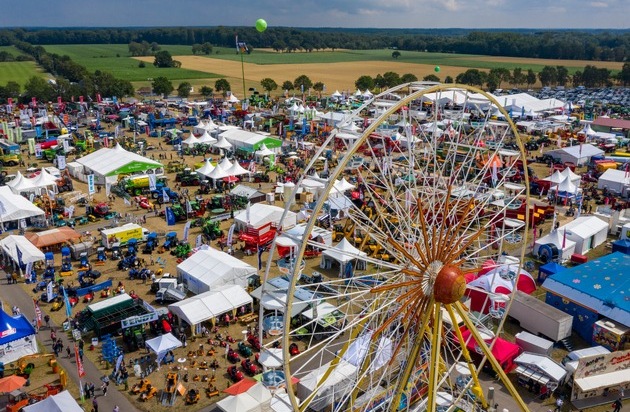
[
  {"x": 209, "y": 268},
  {"x": 15, "y": 207}
]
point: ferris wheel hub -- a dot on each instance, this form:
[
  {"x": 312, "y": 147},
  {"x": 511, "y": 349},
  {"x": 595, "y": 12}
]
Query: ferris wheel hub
[{"x": 450, "y": 284}]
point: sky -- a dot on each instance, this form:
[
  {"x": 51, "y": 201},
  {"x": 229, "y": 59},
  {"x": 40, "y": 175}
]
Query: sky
[{"x": 572, "y": 14}]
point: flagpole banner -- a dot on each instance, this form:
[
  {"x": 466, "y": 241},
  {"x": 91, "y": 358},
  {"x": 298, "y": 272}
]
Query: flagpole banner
[
  {"x": 152, "y": 182},
  {"x": 80, "y": 369},
  {"x": 61, "y": 162},
  {"x": 49, "y": 291},
  {"x": 198, "y": 241},
  {"x": 38, "y": 150},
  {"x": 31, "y": 145},
  {"x": 90, "y": 183},
  {"x": 165, "y": 197},
  {"x": 67, "y": 303},
  {"x": 38, "y": 313},
  {"x": 186, "y": 231},
  {"x": 170, "y": 216}
]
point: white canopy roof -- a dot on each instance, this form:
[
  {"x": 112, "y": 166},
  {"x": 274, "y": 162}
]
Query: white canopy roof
[
  {"x": 223, "y": 143},
  {"x": 211, "y": 304},
  {"x": 263, "y": 151},
  {"x": 61, "y": 402},
  {"x": 239, "y": 403},
  {"x": 542, "y": 364},
  {"x": 344, "y": 252},
  {"x": 105, "y": 160},
  {"x": 209, "y": 268},
  {"x": 260, "y": 214},
  {"x": 566, "y": 186},
  {"x": 587, "y": 130},
  {"x": 575, "y": 178},
  {"x": 337, "y": 384},
  {"x": 556, "y": 177},
  {"x": 260, "y": 393},
  {"x": 236, "y": 170},
  {"x": 225, "y": 163},
  {"x": 217, "y": 173},
  {"x": 163, "y": 343},
  {"x": 343, "y": 185},
  {"x": 281, "y": 402},
  {"x": 15, "y": 207},
  {"x": 21, "y": 184},
  {"x": 206, "y": 138},
  {"x": 30, "y": 252},
  {"x": 271, "y": 358},
  {"x": 191, "y": 141},
  {"x": 44, "y": 179},
  {"x": 206, "y": 168}
]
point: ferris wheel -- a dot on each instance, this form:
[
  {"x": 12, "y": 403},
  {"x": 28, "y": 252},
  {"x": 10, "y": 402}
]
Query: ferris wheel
[{"x": 415, "y": 193}]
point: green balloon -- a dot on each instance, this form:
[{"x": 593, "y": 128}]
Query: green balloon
[
  {"x": 261, "y": 25},
  {"x": 437, "y": 69}
]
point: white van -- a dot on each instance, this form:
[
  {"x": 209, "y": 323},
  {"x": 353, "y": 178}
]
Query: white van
[{"x": 571, "y": 361}]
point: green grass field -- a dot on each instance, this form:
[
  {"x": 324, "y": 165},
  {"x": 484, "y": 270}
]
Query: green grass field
[
  {"x": 18, "y": 72},
  {"x": 13, "y": 50},
  {"x": 104, "y": 57}
]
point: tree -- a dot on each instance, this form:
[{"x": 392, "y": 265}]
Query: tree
[
  {"x": 303, "y": 83},
  {"x": 472, "y": 77},
  {"x": 319, "y": 88},
  {"x": 624, "y": 75},
  {"x": 142, "y": 64},
  {"x": 501, "y": 74},
  {"x": 448, "y": 79},
  {"x": 268, "y": 84},
  {"x": 493, "y": 81},
  {"x": 364, "y": 83},
  {"x": 562, "y": 75},
  {"x": 206, "y": 91},
  {"x": 37, "y": 87},
  {"x": 517, "y": 77},
  {"x": 431, "y": 78},
  {"x": 548, "y": 75},
  {"x": 162, "y": 85},
  {"x": 222, "y": 85},
  {"x": 391, "y": 79},
  {"x": 11, "y": 89},
  {"x": 196, "y": 48},
  {"x": 183, "y": 90},
  {"x": 379, "y": 82},
  {"x": 530, "y": 78},
  {"x": 155, "y": 47},
  {"x": 163, "y": 59},
  {"x": 408, "y": 78},
  {"x": 396, "y": 54},
  {"x": 206, "y": 48},
  {"x": 287, "y": 85}
]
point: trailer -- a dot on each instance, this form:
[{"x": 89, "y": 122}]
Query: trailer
[
  {"x": 539, "y": 318},
  {"x": 123, "y": 234},
  {"x": 532, "y": 343}
]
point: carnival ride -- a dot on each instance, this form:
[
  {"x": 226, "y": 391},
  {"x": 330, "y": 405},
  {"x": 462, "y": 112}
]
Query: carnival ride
[{"x": 390, "y": 337}]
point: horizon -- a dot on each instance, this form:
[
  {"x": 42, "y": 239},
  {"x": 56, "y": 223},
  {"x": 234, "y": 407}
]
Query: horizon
[
  {"x": 359, "y": 14},
  {"x": 509, "y": 29}
]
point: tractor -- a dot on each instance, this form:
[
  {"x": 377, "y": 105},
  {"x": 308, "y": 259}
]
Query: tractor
[{"x": 211, "y": 229}]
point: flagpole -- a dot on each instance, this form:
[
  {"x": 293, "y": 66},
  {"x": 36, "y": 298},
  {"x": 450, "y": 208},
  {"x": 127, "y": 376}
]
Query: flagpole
[{"x": 243, "y": 74}]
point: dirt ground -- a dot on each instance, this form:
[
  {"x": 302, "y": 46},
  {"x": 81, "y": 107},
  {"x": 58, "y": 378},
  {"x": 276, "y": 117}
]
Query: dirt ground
[{"x": 336, "y": 76}]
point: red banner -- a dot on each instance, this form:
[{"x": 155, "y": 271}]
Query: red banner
[
  {"x": 38, "y": 314},
  {"x": 80, "y": 369}
]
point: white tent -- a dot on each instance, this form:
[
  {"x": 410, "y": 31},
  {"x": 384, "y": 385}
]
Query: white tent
[
  {"x": 44, "y": 180},
  {"x": 236, "y": 169},
  {"x": 578, "y": 155},
  {"x": 566, "y": 186},
  {"x": 206, "y": 138},
  {"x": 556, "y": 177},
  {"x": 206, "y": 168},
  {"x": 212, "y": 304},
  {"x": 191, "y": 141},
  {"x": 222, "y": 144},
  {"x": 261, "y": 394},
  {"x": 30, "y": 253},
  {"x": 239, "y": 403},
  {"x": 573, "y": 178},
  {"x": 107, "y": 162},
  {"x": 15, "y": 207},
  {"x": 262, "y": 214},
  {"x": 587, "y": 232},
  {"x": 217, "y": 173},
  {"x": 225, "y": 164},
  {"x": 343, "y": 253},
  {"x": 61, "y": 402},
  {"x": 233, "y": 98},
  {"x": 335, "y": 387},
  {"x": 555, "y": 239},
  {"x": 271, "y": 358},
  {"x": 21, "y": 184},
  {"x": 618, "y": 181},
  {"x": 281, "y": 402},
  {"x": 340, "y": 186},
  {"x": 587, "y": 131},
  {"x": 360, "y": 347},
  {"x": 209, "y": 268},
  {"x": 262, "y": 152},
  {"x": 162, "y": 344}
]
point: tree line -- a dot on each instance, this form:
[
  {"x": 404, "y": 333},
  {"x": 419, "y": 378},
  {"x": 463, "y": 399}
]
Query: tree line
[{"x": 595, "y": 45}]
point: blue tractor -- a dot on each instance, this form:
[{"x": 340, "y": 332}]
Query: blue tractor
[
  {"x": 171, "y": 240},
  {"x": 152, "y": 242}
]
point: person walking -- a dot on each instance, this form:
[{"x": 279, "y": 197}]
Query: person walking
[
  {"x": 104, "y": 388},
  {"x": 617, "y": 405},
  {"x": 94, "y": 405},
  {"x": 116, "y": 409}
]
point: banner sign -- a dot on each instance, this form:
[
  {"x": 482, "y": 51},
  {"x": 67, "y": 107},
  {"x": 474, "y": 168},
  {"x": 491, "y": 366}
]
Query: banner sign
[
  {"x": 139, "y": 320},
  {"x": 61, "y": 162},
  {"x": 38, "y": 150},
  {"x": 77, "y": 358},
  {"x": 90, "y": 182}
]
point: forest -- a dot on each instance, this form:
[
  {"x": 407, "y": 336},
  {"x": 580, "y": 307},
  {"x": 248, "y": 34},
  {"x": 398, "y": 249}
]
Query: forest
[{"x": 594, "y": 45}]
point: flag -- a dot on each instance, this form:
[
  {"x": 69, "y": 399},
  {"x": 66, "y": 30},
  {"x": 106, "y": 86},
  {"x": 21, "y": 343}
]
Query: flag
[
  {"x": 260, "y": 252},
  {"x": 127, "y": 202},
  {"x": 67, "y": 303},
  {"x": 170, "y": 216},
  {"x": 38, "y": 313},
  {"x": 230, "y": 235},
  {"x": 165, "y": 196},
  {"x": 189, "y": 208},
  {"x": 241, "y": 47},
  {"x": 49, "y": 291},
  {"x": 186, "y": 231},
  {"x": 79, "y": 363},
  {"x": 18, "y": 252},
  {"x": 248, "y": 212},
  {"x": 152, "y": 182},
  {"x": 198, "y": 241},
  {"x": 119, "y": 361}
]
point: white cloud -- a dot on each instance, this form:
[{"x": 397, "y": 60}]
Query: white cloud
[
  {"x": 451, "y": 5},
  {"x": 599, "y": 4}
]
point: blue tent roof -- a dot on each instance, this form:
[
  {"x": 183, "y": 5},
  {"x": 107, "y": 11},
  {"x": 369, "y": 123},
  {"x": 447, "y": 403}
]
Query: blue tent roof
[
  {"x": 622, "y": 245},
  {"x": 602, "y": 285},
  {"x": 14, "y": 328},
  {"x": 551, "y": 268}
]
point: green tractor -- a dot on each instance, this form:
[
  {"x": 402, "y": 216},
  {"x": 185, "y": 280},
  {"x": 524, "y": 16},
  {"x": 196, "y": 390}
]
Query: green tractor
[
  {"x": 182, "y": 251},
  {"x": 179, "y": 211},
  {"x": 211, "y": 229}
]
